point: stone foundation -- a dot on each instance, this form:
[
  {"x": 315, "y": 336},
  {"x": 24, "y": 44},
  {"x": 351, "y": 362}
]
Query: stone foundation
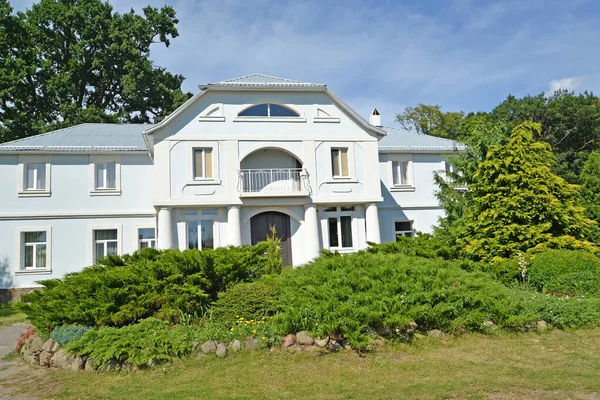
[{"x": 8, "y": 295}]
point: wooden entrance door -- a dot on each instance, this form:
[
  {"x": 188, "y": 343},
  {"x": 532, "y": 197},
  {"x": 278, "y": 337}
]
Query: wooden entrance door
[{"x": 261, "y": 224}]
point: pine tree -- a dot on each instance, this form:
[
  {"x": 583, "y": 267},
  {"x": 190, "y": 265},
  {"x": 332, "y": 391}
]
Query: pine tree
[{"x": 516, "y": 203}]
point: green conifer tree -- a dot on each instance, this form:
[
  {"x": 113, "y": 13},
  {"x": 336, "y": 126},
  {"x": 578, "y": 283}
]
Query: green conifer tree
[
  {"x": 516, "y": 203},
  {"x": 590, "y": 191}
]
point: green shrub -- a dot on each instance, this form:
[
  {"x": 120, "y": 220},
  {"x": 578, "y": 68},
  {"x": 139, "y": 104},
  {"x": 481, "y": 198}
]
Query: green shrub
[
  {"x": 351, "y": 295},
  {"x": 151, "y": 340},
  {"x": 251, "y": 300},
  {"x": 566, "y": 272},
  {"x": 361, "y": 294},
  {"x": 150, "y": 283},
  {"x": 67, "y": 333},
  {"x": 422, "y": 245}
]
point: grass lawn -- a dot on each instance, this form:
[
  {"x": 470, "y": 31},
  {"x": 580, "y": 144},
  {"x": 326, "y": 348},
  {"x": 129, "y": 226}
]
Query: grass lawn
[
  {"x": 556, "y": 365},
  {"x": 8, "y": 315}
]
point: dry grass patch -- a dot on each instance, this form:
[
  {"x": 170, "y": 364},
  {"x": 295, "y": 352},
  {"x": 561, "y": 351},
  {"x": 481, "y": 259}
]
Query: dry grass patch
[{"x": 504, "y": 366}]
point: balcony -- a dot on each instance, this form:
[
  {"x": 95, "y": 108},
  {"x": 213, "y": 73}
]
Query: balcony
[{"x": 273, "y": 182}]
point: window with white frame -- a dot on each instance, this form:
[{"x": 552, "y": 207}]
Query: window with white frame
[
  {"x": 268, "y": 110},
  {"x": 105, "y": 176},
  {"x": 339, "y": 226},
  {"x": 203, "y": 163},
  {"x": 34, "y": 176},
  {"x": 400, "y": 173},
  {"x": 34, "y": 246},
  {"x": 200, "y": 234},
  {"x": 106, "y": 243},
  {"x": 339, "y": 162},
  {"x": 403, "y": 228},
  {"x": 146, "y": 238}
]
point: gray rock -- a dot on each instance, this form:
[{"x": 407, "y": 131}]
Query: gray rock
[
  {"x": 50, "y": 346},
  {"x": 235, "y": 345},
  {"x": 221, "y": 350},
  {"x": 45, "y": 358},
  {"x": 322, "y": 342},
  {"x": 76, "y": 363},
  {"x": 541, "y": 325},
  {"x": 209, "y": 347},
  {"x": 335, "y": 346},
  {"x": 436, "y": 333},
  {"x": 251, "y": 343},
  {"x": 489, "y": 324},
  {"x": 58, "y": 359},
  {"x": 111, "y": 365},
  {"x": 303, "y": 338},
  {"x": 313, "y": 349},
  {"x": 89, "y": 364},
  {"x": 295, "y": 348},
  {"x": 347, "y": 346},
  {"x": 36, "y": 345},
  {"x": 200, "y": 356},
  {"x": 378, "y": 342},
  {"x": 289, "y": 341},
  {"x": 195, "y": 345}
]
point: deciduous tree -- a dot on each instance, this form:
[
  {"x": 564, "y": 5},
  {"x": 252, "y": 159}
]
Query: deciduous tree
[
  {"x": 430, "y": 120},
  {"x": 64, "y": 62}
]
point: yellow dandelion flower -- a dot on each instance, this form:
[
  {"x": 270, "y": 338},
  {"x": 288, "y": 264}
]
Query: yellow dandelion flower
[
  {"x": 253, "y": 330},
  {"x": 264, "y": 338},
  {"x": 241, "y": 318}
]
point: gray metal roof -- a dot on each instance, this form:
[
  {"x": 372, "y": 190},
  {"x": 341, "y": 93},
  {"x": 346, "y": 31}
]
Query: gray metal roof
[
  {"x": 84, "y": 138},
  {"x": 401, "y": 140},
  {"x": 261, "y": 80}
]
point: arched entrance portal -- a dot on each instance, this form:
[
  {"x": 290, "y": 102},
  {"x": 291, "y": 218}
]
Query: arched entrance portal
[{"x": 260, "y": 226}]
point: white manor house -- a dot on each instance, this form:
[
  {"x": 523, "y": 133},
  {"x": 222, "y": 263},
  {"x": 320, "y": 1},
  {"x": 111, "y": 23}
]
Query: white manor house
[{"x": 238, "y": 157}]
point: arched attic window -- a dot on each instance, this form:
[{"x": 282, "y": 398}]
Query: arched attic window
[{"x": 268, "y": 110}]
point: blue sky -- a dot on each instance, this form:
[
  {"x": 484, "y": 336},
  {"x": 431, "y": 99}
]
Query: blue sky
[{"x": 461, "y": 54}]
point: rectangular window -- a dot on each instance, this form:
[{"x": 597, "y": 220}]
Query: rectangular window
[
  {"x": 400, "y": 173},
  {"x": 339, "y": 162},
  {"x": 35, "y": 176},
  {"x": 340, "y": 226},
  {"x": 200, "y": 234},
  {"x": 105, "y": 243},
  {"x": 403, "y": 228},
  {"x": 203, "y": 167},
  {"x": 147, "y": 238},
  {"x": 34, "y": 250},
  {"x": 106, "y": 175}
]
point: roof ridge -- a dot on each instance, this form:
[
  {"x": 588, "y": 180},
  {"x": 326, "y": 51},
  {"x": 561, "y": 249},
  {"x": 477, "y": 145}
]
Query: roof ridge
[{"x": 264, "y": 76}]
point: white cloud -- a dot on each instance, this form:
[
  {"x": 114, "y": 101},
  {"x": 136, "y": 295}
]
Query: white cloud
[{"x": 572, "y": 84}]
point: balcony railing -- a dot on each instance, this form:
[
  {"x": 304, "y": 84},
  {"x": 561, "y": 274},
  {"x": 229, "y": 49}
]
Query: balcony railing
[{"x": 274, "y": 181}]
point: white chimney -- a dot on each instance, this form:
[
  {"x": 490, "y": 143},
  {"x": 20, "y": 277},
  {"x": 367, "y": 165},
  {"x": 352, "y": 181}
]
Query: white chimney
[{"x": 375, "y": 118}]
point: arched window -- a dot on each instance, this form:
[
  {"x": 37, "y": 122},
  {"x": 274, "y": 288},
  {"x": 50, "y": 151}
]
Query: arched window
[{"x": 268, "y": 110}]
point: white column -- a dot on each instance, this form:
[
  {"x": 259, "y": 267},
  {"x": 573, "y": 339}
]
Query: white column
[
  {"x": 311, "y": 232},
  {"x": 165, "y": 229},
  {"x": 234, "y": 227},
  {"x": 372, "y": 224}
]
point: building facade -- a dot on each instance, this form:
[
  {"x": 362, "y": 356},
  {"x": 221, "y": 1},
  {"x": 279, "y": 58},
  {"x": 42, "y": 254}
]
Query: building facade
[{"x": 239, "y": 158}]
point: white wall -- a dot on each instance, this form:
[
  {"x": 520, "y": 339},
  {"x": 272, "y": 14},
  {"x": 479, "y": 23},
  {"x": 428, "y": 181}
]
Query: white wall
[
  {"x": 417, "y": 203},
  {"x": 71, "y": 245},
  {"x": 233, "y": 139},
  {"x": 70, "y": 187}
]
